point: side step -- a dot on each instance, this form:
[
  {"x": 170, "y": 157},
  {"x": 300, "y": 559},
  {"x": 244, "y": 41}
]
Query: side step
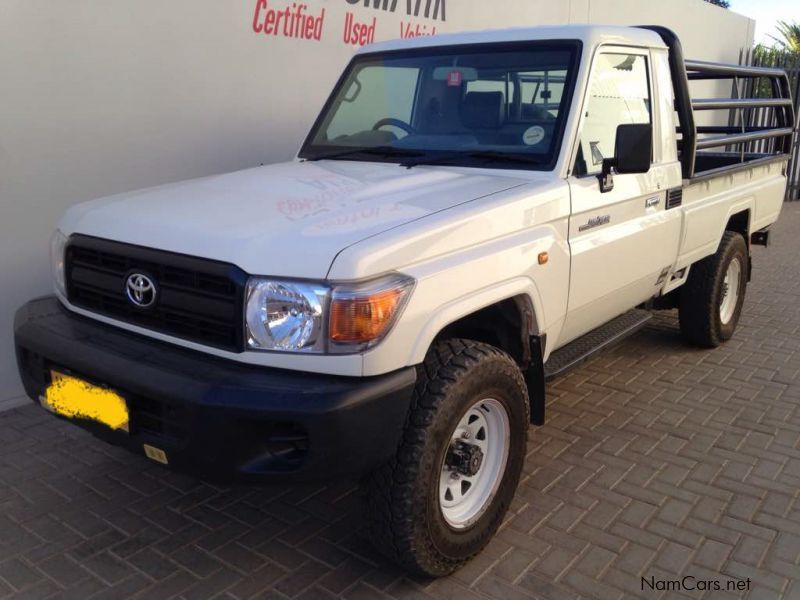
[{"x": 577, "y": 351}]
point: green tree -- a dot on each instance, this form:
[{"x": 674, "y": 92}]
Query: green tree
[
  {"x": 722, "y": 3},
  {"x": 789, "y": 36}
]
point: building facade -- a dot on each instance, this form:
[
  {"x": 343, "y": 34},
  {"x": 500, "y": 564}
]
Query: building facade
[{"x": 102, "y": 97}]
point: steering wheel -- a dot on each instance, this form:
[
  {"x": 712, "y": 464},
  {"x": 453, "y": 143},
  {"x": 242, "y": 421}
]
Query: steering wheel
[{"x": 394, "y": 123}]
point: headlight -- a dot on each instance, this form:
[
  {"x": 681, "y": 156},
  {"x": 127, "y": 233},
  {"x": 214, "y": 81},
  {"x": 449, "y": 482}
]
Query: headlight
[
  {"x": 58, "y": 245},
  {"x": 284, "y": 315},
  {"x": 293, "y": 316}
]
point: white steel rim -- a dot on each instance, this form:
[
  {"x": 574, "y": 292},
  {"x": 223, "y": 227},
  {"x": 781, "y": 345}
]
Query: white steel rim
[
  {"x": 463, "y": 499},
  {"x": 730, "y": 291}
]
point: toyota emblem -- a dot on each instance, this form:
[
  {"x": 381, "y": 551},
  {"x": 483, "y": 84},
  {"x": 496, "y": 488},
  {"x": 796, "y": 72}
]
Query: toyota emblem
[{"x": 141, "y": 290}]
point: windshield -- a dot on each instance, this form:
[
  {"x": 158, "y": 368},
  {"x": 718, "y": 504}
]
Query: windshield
[{"x": 469, "y": 105}]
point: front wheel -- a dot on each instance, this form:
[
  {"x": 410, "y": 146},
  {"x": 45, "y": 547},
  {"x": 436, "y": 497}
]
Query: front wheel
[
  {"x": 711, "y": 300},
  {"x": 443, "y": 496}
]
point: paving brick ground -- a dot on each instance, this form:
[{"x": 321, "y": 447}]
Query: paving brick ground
[{"x": 657, "y": 461}]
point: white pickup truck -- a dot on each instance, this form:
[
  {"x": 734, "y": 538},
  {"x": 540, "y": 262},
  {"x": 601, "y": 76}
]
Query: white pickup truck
[{"x": 469, "y": 216}]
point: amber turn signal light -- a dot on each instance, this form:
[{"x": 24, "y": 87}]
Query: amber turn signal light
[
  {"x": 363, "y": 319},
  {"x": 362, "y": 316}
]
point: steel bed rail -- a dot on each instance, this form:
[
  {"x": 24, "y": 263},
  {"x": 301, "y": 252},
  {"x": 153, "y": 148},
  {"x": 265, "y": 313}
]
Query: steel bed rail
[{"x": 758, "y": 124}]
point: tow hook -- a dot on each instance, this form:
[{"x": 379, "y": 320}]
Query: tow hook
[{"x": 464, "y": 458}]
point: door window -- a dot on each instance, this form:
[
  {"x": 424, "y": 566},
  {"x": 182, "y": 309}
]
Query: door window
[{"x": 619, "y": 93}]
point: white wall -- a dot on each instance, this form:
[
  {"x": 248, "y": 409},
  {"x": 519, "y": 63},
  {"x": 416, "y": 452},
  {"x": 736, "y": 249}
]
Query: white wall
[{"x": 102, "y": 96}]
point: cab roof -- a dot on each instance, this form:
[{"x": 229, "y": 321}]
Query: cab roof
[{"x": 591, "y": 36}]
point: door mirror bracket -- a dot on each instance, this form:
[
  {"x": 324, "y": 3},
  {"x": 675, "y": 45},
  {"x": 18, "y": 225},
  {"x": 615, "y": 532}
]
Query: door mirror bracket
[{"x": 605, "y": 177}]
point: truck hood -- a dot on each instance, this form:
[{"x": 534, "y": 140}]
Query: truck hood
[{"x": 286, "y": 220}]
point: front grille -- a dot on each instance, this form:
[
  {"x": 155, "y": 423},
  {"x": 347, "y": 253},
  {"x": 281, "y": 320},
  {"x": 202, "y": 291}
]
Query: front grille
[{"x": 199, "y": 300}]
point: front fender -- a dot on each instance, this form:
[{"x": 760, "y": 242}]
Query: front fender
[{"x": 471, "y": 303}]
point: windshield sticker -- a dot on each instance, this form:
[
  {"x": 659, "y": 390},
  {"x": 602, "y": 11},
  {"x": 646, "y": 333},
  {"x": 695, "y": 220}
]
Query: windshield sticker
[{"x": 533, "y": 135}]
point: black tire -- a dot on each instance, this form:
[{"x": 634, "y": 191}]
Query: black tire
[
  {"x": 406, "y": 521},
  {"x": 703, "y": 293}
]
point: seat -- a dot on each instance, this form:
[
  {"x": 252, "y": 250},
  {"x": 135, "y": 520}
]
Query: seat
[
  {"x": 483, "y": 110},
  {"x": 532, "y": 112}
]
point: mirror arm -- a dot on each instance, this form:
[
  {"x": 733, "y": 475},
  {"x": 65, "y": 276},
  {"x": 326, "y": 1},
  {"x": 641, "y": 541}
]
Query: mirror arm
[{"x": 605, "y": 177}]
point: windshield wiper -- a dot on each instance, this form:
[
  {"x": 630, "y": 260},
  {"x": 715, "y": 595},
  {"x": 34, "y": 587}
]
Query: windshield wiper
[
  {"x": 387, "y": 151},
  {"x": 489, "y": 155}
]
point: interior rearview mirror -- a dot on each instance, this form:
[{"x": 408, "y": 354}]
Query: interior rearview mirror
[{"x": 633, "y": 149}]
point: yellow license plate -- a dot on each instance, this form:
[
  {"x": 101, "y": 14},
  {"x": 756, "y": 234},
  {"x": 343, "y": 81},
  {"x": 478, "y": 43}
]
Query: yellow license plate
[{"x": 78, "y": 399}]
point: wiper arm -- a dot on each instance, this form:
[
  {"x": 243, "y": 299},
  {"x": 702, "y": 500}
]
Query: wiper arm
[
  {"x": 489, "y": 155},
  {"x": 505, "y": 157},
  {"x": 375, "y": 150},
  {"x": 433, "y": 159}
]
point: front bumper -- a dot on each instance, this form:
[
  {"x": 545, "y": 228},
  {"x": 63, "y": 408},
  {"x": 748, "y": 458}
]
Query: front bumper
[{"x": 216, "y": 418}]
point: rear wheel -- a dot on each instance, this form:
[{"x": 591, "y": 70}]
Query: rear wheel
[
  {"x": 443, "y": 496},
  {"x": 711, "y": 300}
]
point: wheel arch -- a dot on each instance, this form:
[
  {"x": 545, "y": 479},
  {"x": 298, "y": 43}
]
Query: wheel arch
[
  {"x": 739, "y": 221},
  {"x": 519, "y": 296},
  {"x": 506, "y": 324},
  {"x": 511, "y": 321}
]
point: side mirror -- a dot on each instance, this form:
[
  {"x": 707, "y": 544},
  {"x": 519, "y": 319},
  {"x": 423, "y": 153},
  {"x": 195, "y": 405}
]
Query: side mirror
[{"x": 633, "y": 148}]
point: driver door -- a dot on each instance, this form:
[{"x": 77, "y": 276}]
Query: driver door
[{"x": 623, "y": 242}]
